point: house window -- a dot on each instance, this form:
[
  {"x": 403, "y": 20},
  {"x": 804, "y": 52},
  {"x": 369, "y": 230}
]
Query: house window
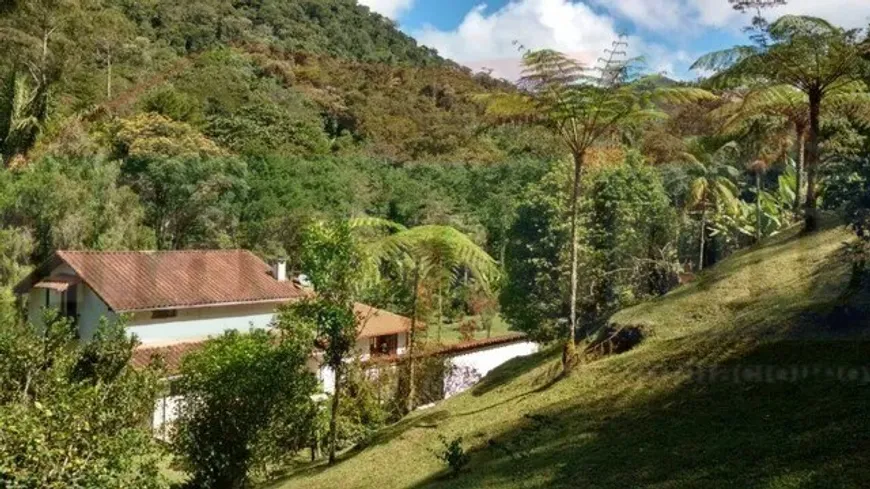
[
  {"x": 384, "y": 345},
  {"x": 164, "y": 313}
]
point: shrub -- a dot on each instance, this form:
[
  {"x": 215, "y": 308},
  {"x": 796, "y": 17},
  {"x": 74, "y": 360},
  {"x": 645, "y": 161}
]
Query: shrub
[
  {"x": 247, "y": 406},
  {"x": 74, "y": 415},
  {"x": 452, "y": 454}
]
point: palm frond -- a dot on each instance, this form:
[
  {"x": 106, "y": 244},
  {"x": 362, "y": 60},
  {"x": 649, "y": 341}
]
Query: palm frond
[{"x": 681, "y": 95}]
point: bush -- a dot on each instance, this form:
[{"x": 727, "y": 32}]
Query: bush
[
  {"x": 74, "y": 415},
  {"x": 247, "y": 406},
  {"x": 453, "y": 454}
]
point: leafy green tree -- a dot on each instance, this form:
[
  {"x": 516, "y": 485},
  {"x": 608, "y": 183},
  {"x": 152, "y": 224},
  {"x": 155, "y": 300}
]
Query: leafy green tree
[
  {"x": 333, "y": 263},
  {"x": 190, "y": 202},
  {"x": 87, "y": 208},
  {"x": 806, "y": 53},
  {"x": 154, "y": 136},
  {"x": 247, "y": 404},
  {"x": 583, "y": 109},
  {"x": 74, "y": 415},
  {"x": 533, "y": 298}
]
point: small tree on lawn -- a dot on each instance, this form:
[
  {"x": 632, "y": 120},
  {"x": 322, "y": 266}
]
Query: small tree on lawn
[
  {"x": 333, "y": 263},
  {"x": 247, "y": 405}
]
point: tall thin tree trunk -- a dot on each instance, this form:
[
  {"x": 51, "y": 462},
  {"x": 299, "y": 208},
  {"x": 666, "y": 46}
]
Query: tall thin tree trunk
[
  {"x": 333, "y": 418},
  {"x": 109, "y": 76},
  {"x": 440, "y": 312},
  {"x": 799, "y": 174},
  {"x": 811, "y": 219},
  {"x": 703, "y": 238},
  {"x": 570, "y": 347},
  {"x": 409, "y": 402},
  {"x": 758, "y": 206}
]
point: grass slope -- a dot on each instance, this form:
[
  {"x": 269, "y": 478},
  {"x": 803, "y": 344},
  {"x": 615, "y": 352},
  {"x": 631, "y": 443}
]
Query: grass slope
[{"x": 667, "y": 414}]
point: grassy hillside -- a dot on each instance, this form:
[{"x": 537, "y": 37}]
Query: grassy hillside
[{"x": 678, "y": 411}]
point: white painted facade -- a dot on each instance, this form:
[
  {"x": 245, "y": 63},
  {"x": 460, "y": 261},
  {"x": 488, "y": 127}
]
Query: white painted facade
[
  {"x": 199, "y": 323},
  {"x": 469, "y": 367}
]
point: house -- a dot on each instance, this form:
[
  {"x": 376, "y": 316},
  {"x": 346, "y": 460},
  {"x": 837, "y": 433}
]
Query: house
[{"x": 174, "y": 300}]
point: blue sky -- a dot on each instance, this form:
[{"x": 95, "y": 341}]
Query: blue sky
[{"x": 669, "y": 34}]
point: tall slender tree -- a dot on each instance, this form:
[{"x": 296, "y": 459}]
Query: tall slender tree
[
  {"x": 584, "y": 107},
  {"x": 332, "y": 261}
]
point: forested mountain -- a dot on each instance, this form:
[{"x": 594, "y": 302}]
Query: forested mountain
[{"x": 218, "y": 124}]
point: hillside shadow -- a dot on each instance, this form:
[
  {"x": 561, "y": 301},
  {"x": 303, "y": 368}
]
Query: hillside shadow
[{"x": 787, "y": 414}]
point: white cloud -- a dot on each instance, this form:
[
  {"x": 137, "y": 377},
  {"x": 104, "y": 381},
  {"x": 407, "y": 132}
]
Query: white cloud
[
  {"x": 692, "y": 16},
  {"x": 487, "y": 39},
  {"x": 388, "y": 8}
]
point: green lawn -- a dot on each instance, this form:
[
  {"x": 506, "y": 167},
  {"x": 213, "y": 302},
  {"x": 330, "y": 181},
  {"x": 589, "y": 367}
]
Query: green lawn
[
  {"x": 450, "y": 332},
  {"x": 668, "y": 414}
]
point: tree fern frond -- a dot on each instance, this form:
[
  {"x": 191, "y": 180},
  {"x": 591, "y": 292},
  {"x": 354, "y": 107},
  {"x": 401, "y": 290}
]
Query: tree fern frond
[{"x": 724, "y": 59}]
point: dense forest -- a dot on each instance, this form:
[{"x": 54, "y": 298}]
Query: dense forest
[{"x": 290, "y": 126}]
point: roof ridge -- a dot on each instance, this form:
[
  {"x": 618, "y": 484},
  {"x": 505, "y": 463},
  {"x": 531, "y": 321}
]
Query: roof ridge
[{"x": 121, "y": 252}]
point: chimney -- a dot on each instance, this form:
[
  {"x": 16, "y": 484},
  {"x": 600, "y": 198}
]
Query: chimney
[{"x": 279, "y": 270}]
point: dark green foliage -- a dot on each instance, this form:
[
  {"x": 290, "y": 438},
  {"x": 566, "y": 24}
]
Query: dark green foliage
[
  {"x": 86, "y": 208},
  {"x": 265, "y": 127},
  {"x": 452, "y": 454},
  {"x": 74, "y": 416},
  {"x": 190, "y": 202},
  {"x": 534, "y": 295},
  {"x": 319, "y": 26},
  {"x": 626, "y": 248},
  {"x": 247, "y": 406},
  {"x": 630, "y": 238}
]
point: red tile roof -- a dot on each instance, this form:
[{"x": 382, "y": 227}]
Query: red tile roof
[
  {"x": 171, "y": 355},
  {"x": 146, "y": 280},
  {"x": 378, "y": 322}
]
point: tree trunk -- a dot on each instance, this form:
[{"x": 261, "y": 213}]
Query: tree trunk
[
  {"x": 758, "y": 206},
  {"x": 409, "y": 402},
  {"x": 333, "y": 418},
  {"x": 569, "y": 351},
  {"x": 440, "y": 312},
  {"x": 811, "y": 221},
  {"x": 108, "y": 76},
  {"x": 799, "y": 174},
  {"x": 703, "y": 238}
]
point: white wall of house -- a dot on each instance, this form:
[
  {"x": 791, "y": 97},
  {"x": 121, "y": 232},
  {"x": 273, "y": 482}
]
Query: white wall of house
[
  {"x": 91, "y": 310},
  {"x": 470, "y": 367},
  {"x": 199, "y": 323}
]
